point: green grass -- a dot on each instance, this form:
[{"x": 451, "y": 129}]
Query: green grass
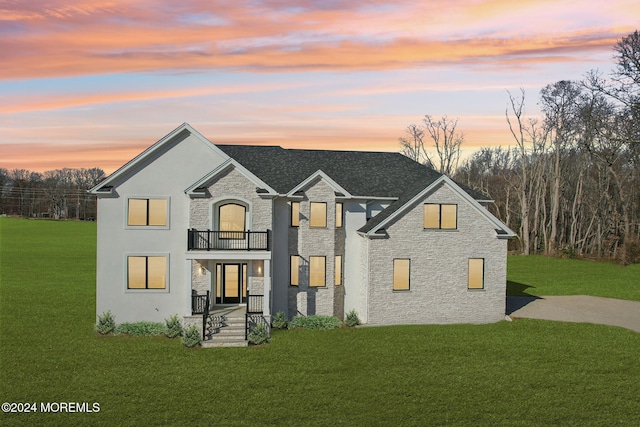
[
  {"x": 524, "y": 373},
  {"x": 538, "y": 275}
]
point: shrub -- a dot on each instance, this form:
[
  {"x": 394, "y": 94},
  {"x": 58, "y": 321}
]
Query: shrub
[
  {"x": 279, "y": 321},
  {"x": 106, "y": 323},
  {"x": 631, "y": 252},
  {"x": 144, "y": 329},
  {"x": 259, "y": 334},
  {"x": 191, "y": 337},
  {"x": 569, "y": 251},
  {"x": 352, "y": 319},
  {"x": 315, "y": 322},
  {"x": 173, "y": 326}
]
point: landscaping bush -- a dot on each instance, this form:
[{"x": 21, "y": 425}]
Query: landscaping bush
[
  {"x": 173, "y": 326},
  {"x": 191, "y": 337},
  {"x": 352, "y": 319},
  {"x": 144, "y": 329},
  {"x": 315, "y": 322},
  {"x": 259, "y": 334},
  {"x": 106, "y": 323},
  {"x": 279, "y": 321}
]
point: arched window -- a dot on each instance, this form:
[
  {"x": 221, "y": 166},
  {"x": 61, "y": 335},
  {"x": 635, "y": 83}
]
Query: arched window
[{"x": 231, "y": 217}]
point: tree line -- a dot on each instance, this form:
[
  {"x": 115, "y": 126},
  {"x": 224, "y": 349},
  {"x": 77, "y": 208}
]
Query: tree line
[
  {"x": 570, "y": 184},
  {"x": 58, "y": 194}
]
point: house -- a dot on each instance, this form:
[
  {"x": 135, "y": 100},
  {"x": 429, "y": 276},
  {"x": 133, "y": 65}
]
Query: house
[{"x": 299, "y": 231}]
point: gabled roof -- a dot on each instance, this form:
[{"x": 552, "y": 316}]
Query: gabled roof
[
  {"x": 419, "y": 191},
  {"x": 262, "y": 187},
  {"x": 360, "y": 173},
  {"x": 184, "y": 129}
]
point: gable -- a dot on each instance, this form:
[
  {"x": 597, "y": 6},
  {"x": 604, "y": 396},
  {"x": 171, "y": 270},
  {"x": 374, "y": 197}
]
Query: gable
[
  {"x": 197, "y": 188},
  {"x": 420, "y": 192},
  {"x": 183, "y": 148}
]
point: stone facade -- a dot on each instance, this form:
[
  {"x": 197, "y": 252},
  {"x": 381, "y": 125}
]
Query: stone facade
[
  {"x": 231, "y": 185},
  {"x": 439, "y": 268},
  {"x": 306, "y": 241}
]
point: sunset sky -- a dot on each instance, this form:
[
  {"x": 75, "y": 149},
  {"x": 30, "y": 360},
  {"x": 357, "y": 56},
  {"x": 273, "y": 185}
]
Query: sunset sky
[{"x": 91, "y": 83}]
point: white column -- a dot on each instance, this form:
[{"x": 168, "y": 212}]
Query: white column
[
  {"x": 187, "y": 286},
  {"x": 266, "y": 308}
]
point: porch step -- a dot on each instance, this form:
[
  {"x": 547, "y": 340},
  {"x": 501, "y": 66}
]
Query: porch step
[
  {"x": 230, "y": 334},
  {"x": 226, "y": 343}
]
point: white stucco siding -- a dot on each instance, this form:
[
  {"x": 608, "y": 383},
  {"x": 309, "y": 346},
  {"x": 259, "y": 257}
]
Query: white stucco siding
[
  {"x": 355, "y": 212},
  {"x": 439, "y": 268},
  {"x": 166, "y": 174}
]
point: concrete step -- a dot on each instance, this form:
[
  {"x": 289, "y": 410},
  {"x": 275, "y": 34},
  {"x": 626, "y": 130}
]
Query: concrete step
[{"x": 225, "y": 343}]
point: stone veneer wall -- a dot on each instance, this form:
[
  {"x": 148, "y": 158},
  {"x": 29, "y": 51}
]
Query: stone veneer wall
[
  {"x": 231, "y": 185},
  {"x": 439, "y": 269},
  {"x": 305, "y": 242},
  {"x": 200, "y": 281}
]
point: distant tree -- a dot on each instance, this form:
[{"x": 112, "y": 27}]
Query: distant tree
[{"x": 447, "y": 141}]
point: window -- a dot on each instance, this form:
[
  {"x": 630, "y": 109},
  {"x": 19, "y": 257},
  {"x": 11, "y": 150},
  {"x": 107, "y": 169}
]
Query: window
[
  {"x": 317, "y": 271},
  {"x": 476, "y": 273},
  {"x": 318, "y": 216},
  {"x": 338, "y": 215},
  {"x": 231, "y": 218},
  {"x": 294, "y": 262},
  {"x": 440, "y": 216},
  {"x": 401, "y": 270},
  {"x": 338, "y": 273},
  {"x": 147, "y": 272},
  {"x": 295, "y": 214},
  {"x": 147, "y": 212}
]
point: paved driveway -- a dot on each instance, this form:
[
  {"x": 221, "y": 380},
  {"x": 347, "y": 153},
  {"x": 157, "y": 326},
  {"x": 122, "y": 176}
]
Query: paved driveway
[{"x": 577, "y": 308}]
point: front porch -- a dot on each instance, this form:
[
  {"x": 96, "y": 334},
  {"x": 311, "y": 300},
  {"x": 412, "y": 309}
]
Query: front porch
[{"x": 226, "y": 326}]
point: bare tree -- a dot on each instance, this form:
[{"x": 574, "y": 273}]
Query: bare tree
[
  {"x": 518, "y": 131},
  {"x": 447, "y": 142},
  {"x": 559, "y": 105}
]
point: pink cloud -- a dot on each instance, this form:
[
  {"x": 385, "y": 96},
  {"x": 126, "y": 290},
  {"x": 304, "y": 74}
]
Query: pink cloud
[{"x": 113, "y": 36}]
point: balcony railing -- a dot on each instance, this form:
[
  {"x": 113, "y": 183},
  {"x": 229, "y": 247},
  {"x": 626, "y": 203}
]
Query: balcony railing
[{"x": 208, "y": 240}]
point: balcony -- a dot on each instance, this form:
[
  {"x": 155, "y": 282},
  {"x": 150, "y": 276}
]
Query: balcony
[{"x": 208, "y": 240}]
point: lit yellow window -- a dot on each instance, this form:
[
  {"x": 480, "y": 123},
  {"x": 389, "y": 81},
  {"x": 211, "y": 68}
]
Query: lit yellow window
[
  {"x": 231, "y": 218},
  {"x": 317, "y": 271},
  {"x": 338, "y": 273},
  {"x": 431, "y": 216},
  {"x": 137, "y": 272},
  {"x": 318, "y": 216},
  {"x": 338, "y": 215},
  {"x": 476, "y": 273},
  {"x": 448, "y": 216},
  {"x": 440, "y": 216},
  {"x": 147, "y": 272},
  {"x": 295, "y": 269},
  {"x": 158, "y": 212},
  {"x": 156, "y": 272},
  {"x": 147, "y": 212},
  {"x": 401, "y": 270},
  {"x": 295, "y": 214}
]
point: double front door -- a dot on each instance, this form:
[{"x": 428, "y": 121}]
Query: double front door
[{"x": 231, "y": 283}]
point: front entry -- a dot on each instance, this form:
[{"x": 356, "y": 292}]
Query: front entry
[{"x": 231, "y": 284}]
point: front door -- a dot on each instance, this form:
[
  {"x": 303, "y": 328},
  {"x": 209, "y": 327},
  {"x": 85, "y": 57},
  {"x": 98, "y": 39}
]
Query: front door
[{"x": 231, "y": 286}]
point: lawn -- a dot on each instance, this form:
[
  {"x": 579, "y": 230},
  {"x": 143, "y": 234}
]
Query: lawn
[
  {"x": 538, "y": 275},
  {"x": 523, "y": 373}
]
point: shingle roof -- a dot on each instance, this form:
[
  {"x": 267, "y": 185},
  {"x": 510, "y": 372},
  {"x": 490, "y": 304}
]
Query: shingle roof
[{"x": 361, "y": 173}]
